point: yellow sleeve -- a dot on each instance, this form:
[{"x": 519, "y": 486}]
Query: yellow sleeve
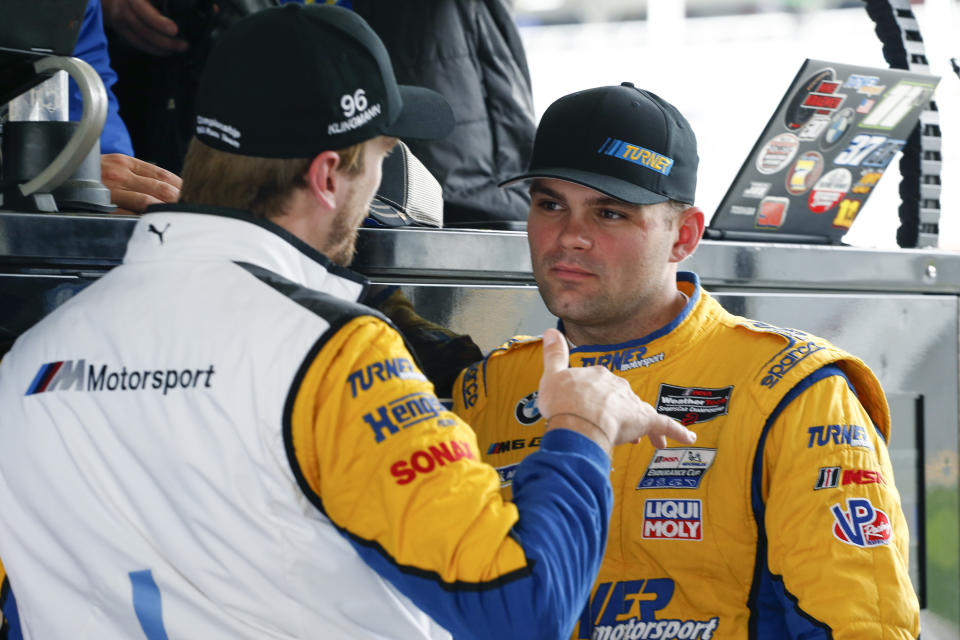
[
  {"x": 834, "y": 526},
  {"x": 390, "y": 466}
]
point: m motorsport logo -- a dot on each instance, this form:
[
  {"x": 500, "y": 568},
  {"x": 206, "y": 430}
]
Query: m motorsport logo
[{"x": 76, "y": 375}]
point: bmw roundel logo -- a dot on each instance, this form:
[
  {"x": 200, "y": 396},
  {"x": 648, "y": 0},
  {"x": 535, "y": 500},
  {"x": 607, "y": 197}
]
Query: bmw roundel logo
[{"x": 526, "y": 411}]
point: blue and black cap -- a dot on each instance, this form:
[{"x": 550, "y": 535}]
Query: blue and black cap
[
  {"x": 625, "y": 142},
  {"x": 292, "y": 81}
]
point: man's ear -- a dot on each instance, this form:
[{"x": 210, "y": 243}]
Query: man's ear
[
  {"x": 689, "y": 231},
  {"x": 323, "y": 180}
]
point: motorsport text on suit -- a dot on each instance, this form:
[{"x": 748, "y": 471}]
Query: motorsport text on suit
[{"x": 727, "y": 539}]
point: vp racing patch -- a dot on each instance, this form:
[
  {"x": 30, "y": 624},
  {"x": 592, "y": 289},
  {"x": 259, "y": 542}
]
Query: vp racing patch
[
  {"x": 677, "y": 468},
  {"x": 690, "y": 405}
]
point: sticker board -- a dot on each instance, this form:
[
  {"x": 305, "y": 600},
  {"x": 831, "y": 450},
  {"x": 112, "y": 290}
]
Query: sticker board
[{"x": 834, "y": 133}]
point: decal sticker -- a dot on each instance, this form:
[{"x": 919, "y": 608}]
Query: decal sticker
[
  {"x": 846, "y": 213},
  {"x": 896, "y": 104},
  {"x": 865, "y": 105},
  {"x": 757, "y": 190},
  {"x": 815, "y": 96},
  {"x": 868, "y": 180},
  {"x": 739, "y": 210},
  {"x": 866, "y": 85},
  {"x": 813, "y": 129},
  {"x": 883, "y": 154},
  {"x": 677, "y": 468},
  {"x": 859, "y": 147},
  {"x": 526, "y": 411},
  {"x": 839, "y": 124},
  {"x": 777, "y": 153},
  {"x": 772, "y": 213},
  {"x": 691, "y": 405},
  {"x": 604, "y": 616},
  {"x": 804, "y": 172},
  {"x": 861, "y": 525},
  {"x": 672, "y": 520},
  {"x": 829, "y": 190}
]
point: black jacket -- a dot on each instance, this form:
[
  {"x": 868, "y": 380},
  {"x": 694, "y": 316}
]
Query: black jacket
[{"x": 469, "y": 51}]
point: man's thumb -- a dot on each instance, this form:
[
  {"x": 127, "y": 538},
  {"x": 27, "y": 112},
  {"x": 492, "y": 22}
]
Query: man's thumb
[{"x": 556, "y": 355}]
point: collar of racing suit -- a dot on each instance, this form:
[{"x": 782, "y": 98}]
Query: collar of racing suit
[{"x": 195, "y": 232}]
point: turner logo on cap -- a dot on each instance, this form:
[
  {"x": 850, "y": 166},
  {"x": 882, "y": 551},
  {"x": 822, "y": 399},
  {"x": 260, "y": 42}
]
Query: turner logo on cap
[{"x": 637, "y": 155}]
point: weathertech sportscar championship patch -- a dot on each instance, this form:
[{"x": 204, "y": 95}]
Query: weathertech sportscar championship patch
[
  {"x": 677, "y": 468},
  {"x": 690, "y": 405}
]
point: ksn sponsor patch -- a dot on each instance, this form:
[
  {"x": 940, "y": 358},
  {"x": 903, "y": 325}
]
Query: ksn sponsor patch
[
  {"x": 833, "y": 477},
  {"x": 672, "y": 520},
  {"x": 861, "y": 524}
]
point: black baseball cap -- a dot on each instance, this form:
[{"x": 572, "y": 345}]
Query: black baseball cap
[
  {"x": 620, "y": 140},
  {"x": 292, "y": 81}
]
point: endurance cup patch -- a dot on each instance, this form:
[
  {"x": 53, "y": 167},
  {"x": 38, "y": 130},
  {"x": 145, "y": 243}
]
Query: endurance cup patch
[
  {"x": 677, "y": 468},
  {"x": 690, "y": 405}
]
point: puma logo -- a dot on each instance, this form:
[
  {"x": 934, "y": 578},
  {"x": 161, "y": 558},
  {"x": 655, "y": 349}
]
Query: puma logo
[{"x": 153, "y": 229}]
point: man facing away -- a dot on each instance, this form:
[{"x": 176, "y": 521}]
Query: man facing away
[
  {"x": 783, "y": 521},
  {"x": 215, "y": 440}
]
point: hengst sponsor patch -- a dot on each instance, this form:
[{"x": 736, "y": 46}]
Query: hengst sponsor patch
[
  {"x": 637, "y": 155},
  {"x": 603, "y": 617},
  {"x": 402, "y": 368},
  {"x": 403, "y": 413},
  {"x": 672, "y": 520},
  {"x": 677, "y": 468},
  {"x": 690, "y": 405}
]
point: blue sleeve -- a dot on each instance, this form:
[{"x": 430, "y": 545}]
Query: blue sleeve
[
  {"x": 564, "y": 498},
  {"x": 9, "y": 618},
  {"x": 92, "y": 49}
]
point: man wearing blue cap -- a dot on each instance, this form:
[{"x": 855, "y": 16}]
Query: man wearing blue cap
[
  {"x": 215, "y": 440},
  {"x": 783, "y": 521}
]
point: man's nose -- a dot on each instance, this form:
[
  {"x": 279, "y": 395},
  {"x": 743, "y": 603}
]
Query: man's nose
[{"x": 575, "y": 234}]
